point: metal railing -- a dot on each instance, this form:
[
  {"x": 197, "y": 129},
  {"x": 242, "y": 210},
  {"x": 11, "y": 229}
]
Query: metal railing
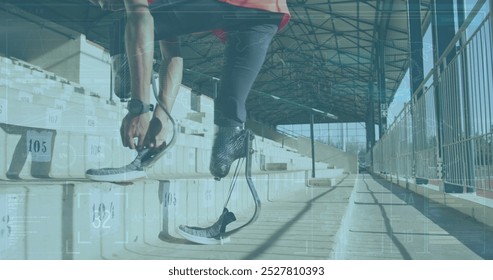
[{"x": 447, "y": 133}]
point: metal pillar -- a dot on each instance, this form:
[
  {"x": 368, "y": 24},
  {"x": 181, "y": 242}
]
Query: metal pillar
[
  {"x": 491, "y": 21},
  {"x": 312, "y": 138},
  {"x": 328, "y": 133},
  {"x": 416, "y": 72},
  {"x": 215, "y": 82},
  {"x": 370, "y": 124},
  {"x": 416, "y": 69},
  {"x": 382, "y": 95},
  {"x": 385, "y": 9},
  {"x": 443, "y": 30},
  {"x": 464, "y": 76},
  {"x": 439, "y": 46},
  {"x": 371, "y": 115},
  {"x": 443, "y": 23}
]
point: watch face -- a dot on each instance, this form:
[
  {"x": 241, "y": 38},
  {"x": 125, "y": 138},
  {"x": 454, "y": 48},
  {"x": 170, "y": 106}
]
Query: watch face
[{"x": 134, "y": 106}]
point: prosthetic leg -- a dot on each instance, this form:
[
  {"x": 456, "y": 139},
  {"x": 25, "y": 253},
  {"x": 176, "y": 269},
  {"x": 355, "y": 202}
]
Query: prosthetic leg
[{"x": 216, "y": 233}]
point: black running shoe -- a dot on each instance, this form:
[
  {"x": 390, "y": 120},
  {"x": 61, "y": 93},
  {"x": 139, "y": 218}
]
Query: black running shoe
[
  {"x": 210, "y": 235},
  {"x": 230, "y": 144}
]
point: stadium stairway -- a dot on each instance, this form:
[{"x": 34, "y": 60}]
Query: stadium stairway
[{"x": 53, "y": 130}]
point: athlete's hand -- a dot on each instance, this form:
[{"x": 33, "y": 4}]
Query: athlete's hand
[
  {"x": 134, "y": 126},
  {"x": 157, "y": 132}
]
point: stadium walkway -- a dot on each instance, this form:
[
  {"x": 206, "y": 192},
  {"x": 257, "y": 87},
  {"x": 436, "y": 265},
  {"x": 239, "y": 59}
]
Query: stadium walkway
[{"x": 362, "y": 217}]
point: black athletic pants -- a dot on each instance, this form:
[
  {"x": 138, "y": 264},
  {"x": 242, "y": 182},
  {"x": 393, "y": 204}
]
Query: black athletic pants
[{"x": 248, "y": 36}]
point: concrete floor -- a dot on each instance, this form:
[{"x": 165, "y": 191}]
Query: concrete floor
[{"x": 363, "y": 217}]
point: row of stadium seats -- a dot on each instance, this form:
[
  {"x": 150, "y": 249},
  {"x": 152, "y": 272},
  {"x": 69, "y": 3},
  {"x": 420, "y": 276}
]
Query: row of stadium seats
[{"x": 52, "y": 128}]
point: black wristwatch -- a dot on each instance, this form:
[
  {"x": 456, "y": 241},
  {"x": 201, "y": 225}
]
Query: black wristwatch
[{"x": 138, "y": 107}]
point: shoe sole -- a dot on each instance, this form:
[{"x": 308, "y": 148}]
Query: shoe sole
[
  {"x": 203, "y": 240},
  {"x": 122, "y": 177}
]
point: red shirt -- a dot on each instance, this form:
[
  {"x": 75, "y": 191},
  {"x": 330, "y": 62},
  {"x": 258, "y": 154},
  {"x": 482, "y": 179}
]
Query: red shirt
[{"x": 276, "y": 6}]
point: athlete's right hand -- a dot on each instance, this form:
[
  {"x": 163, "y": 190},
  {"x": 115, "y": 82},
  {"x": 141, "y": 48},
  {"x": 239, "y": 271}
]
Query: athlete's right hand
[
  {"x": 158, "y": 129},
  {"x": 134, "y": 126}
]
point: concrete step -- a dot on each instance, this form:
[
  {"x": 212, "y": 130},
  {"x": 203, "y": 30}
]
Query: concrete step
[
  {"x": 45, "y": 153},
  {"x": 91, "y": 220},
  {"x": 64, "y": 129}
]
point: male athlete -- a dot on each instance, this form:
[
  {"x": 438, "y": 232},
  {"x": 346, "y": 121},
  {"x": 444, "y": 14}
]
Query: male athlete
[{"x": 247, "y": 28}]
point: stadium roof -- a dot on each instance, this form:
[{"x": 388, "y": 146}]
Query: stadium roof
[{"x": 324, "y": 59}]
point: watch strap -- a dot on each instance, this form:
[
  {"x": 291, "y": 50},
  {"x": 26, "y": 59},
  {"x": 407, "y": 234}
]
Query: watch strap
[{"x": 136, "y": 106}]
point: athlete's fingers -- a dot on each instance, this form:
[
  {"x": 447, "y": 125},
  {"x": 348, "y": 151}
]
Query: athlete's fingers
[
  {"x": 131, "y": 142},
  {"x": 148, "y": 140},
  {"x": 155, "y": 128},
  {"x": 140, "y": 141}
]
